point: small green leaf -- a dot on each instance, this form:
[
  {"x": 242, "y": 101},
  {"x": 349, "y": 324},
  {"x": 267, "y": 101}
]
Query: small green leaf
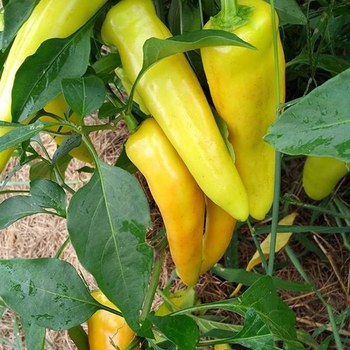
[
  {"x": 18, "y": 207},
  {"x": 248, "y": 278},
  {"x": 107, "y": 64},
  {"x": 16, "y": 13},
  {"x": 224, "y": 133},
  {"x": 79, "y": 337},
  {"x": 84, "y": 95},
  {"x": 2, "y": 308},
  {"x": 45, "y": 170},
  {"x": 262, "y": 297},
  {"x": 68, "y": 144},
  {"x": 319, "y": 124},
  {"x": 34, "y": 335},
  {"x": 184, "y": 18},
  {"x": 38, "y": 80},
  {"x": 156, "y": 49},
  {"x": 181, "y": 330},
  {"x": 255, "y": 334},
  {"x": 107, "y": 220},
  {"x": 124, "y": 162},
  {"x": 48, "y": 292},
  {"x": 20, "y": 134},
  {"x": 289, "y": 12},
  {"x": 280, "y": 320},
  {"x": 330, "y": 63},
  {"x": 108, "y": 109},
  {"x": 48, "y": 194}
]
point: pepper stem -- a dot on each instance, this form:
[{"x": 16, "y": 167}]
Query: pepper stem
[
  {"x": 229, "y": 9},
  {"x": 231, "y": 16}
]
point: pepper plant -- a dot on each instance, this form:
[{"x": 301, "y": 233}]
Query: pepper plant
[{"x": 63, "y": 61}]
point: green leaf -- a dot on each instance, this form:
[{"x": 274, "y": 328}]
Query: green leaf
[
  {"x": 84, "y": 95},
  {"x": 107, "y": 64},
  {"x": 18, "y": 207},
  {"x": 255, "y": 334},
  {"x": 329, "y": 63},
  {"x": 107, "y": 220},
  {"x": 319, "y": 124},
  {"x": 280, "y": 320},
  {"x": 38, "y": 80},
  {"x": 224, "y": 132},
  {"x": 34, "y": 335},
  {"x": 20, "y": 134},
  {"x": 156, "y": 49},
  {"x": 48, "y": 194},
  {"x": 290, "y": 12},
  {"x": 208, "y": 325},
  {"x": 68, "y": 144},
  {"x": 2, "y": 307},
  {"x": 181, "y": 330},
  {"x": 45, "y": 170},
  {"x": 248, "y": 278},
  {"x": 79, "y": 337},
  {"x": 262, "y": 297},
  {"x": 124, "y": 162},
  {"x": 109, "y": 109},
  {"x": 184, "y": 18},
  {"x": 47, "y": 291},
  {"x": 16, "y": 13}
]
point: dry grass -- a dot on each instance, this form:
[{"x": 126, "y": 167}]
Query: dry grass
[{"x": 42, "y": 236}]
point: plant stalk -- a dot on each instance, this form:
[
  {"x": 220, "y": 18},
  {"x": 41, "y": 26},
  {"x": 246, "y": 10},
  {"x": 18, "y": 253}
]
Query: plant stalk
[
  {"x": 277, "y": 188},
  {"x": 157, "y": 268},
  {"x": 229, "y": 9}
]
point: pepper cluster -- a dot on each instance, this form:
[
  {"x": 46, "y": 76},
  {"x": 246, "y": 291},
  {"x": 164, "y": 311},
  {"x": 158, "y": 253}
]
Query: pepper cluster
[{"x": 200, "y": 189}]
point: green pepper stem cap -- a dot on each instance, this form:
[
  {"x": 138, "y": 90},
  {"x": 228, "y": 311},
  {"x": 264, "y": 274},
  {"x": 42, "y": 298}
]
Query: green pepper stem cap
[{"x": 231, "y": 16}]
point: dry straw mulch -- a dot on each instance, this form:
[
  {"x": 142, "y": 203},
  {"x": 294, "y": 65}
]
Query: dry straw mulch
[{"x": 42, "y": 236}]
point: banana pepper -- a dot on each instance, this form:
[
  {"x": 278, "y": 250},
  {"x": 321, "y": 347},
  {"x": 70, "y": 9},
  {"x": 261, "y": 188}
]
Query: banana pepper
[
  {"x": 106, "y": 330},
  {"x": 179, "y": 198},
  {"x": 174, "y": 97},
  {"x": 321, "y": 174},
  {"x": 242, "y": 84},
  {"x": 219, "y": 227},
  {"x": 49, "y": 19}
]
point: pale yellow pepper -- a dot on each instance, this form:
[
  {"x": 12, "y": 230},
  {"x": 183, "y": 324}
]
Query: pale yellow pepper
[
  {"x": 174, "y": 97},
  {"x": 242, "y": 84},
  {"x": 49, "y": 19}
]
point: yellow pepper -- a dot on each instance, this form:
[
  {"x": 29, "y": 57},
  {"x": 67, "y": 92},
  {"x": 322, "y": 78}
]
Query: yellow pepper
[
  {"x": 181, "y": 299},
  {"x": 222, "y": 347},
  {"x": 106, "y": 328},
  {"x": 243, "y": 87},
  {"x": 174, "y": 97},
  {"x": 179, "y": 198},
  {"x": 49, "y": 19},
  {"x": 321, "y": 174},
  {"x": 219, "y": 227}
]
